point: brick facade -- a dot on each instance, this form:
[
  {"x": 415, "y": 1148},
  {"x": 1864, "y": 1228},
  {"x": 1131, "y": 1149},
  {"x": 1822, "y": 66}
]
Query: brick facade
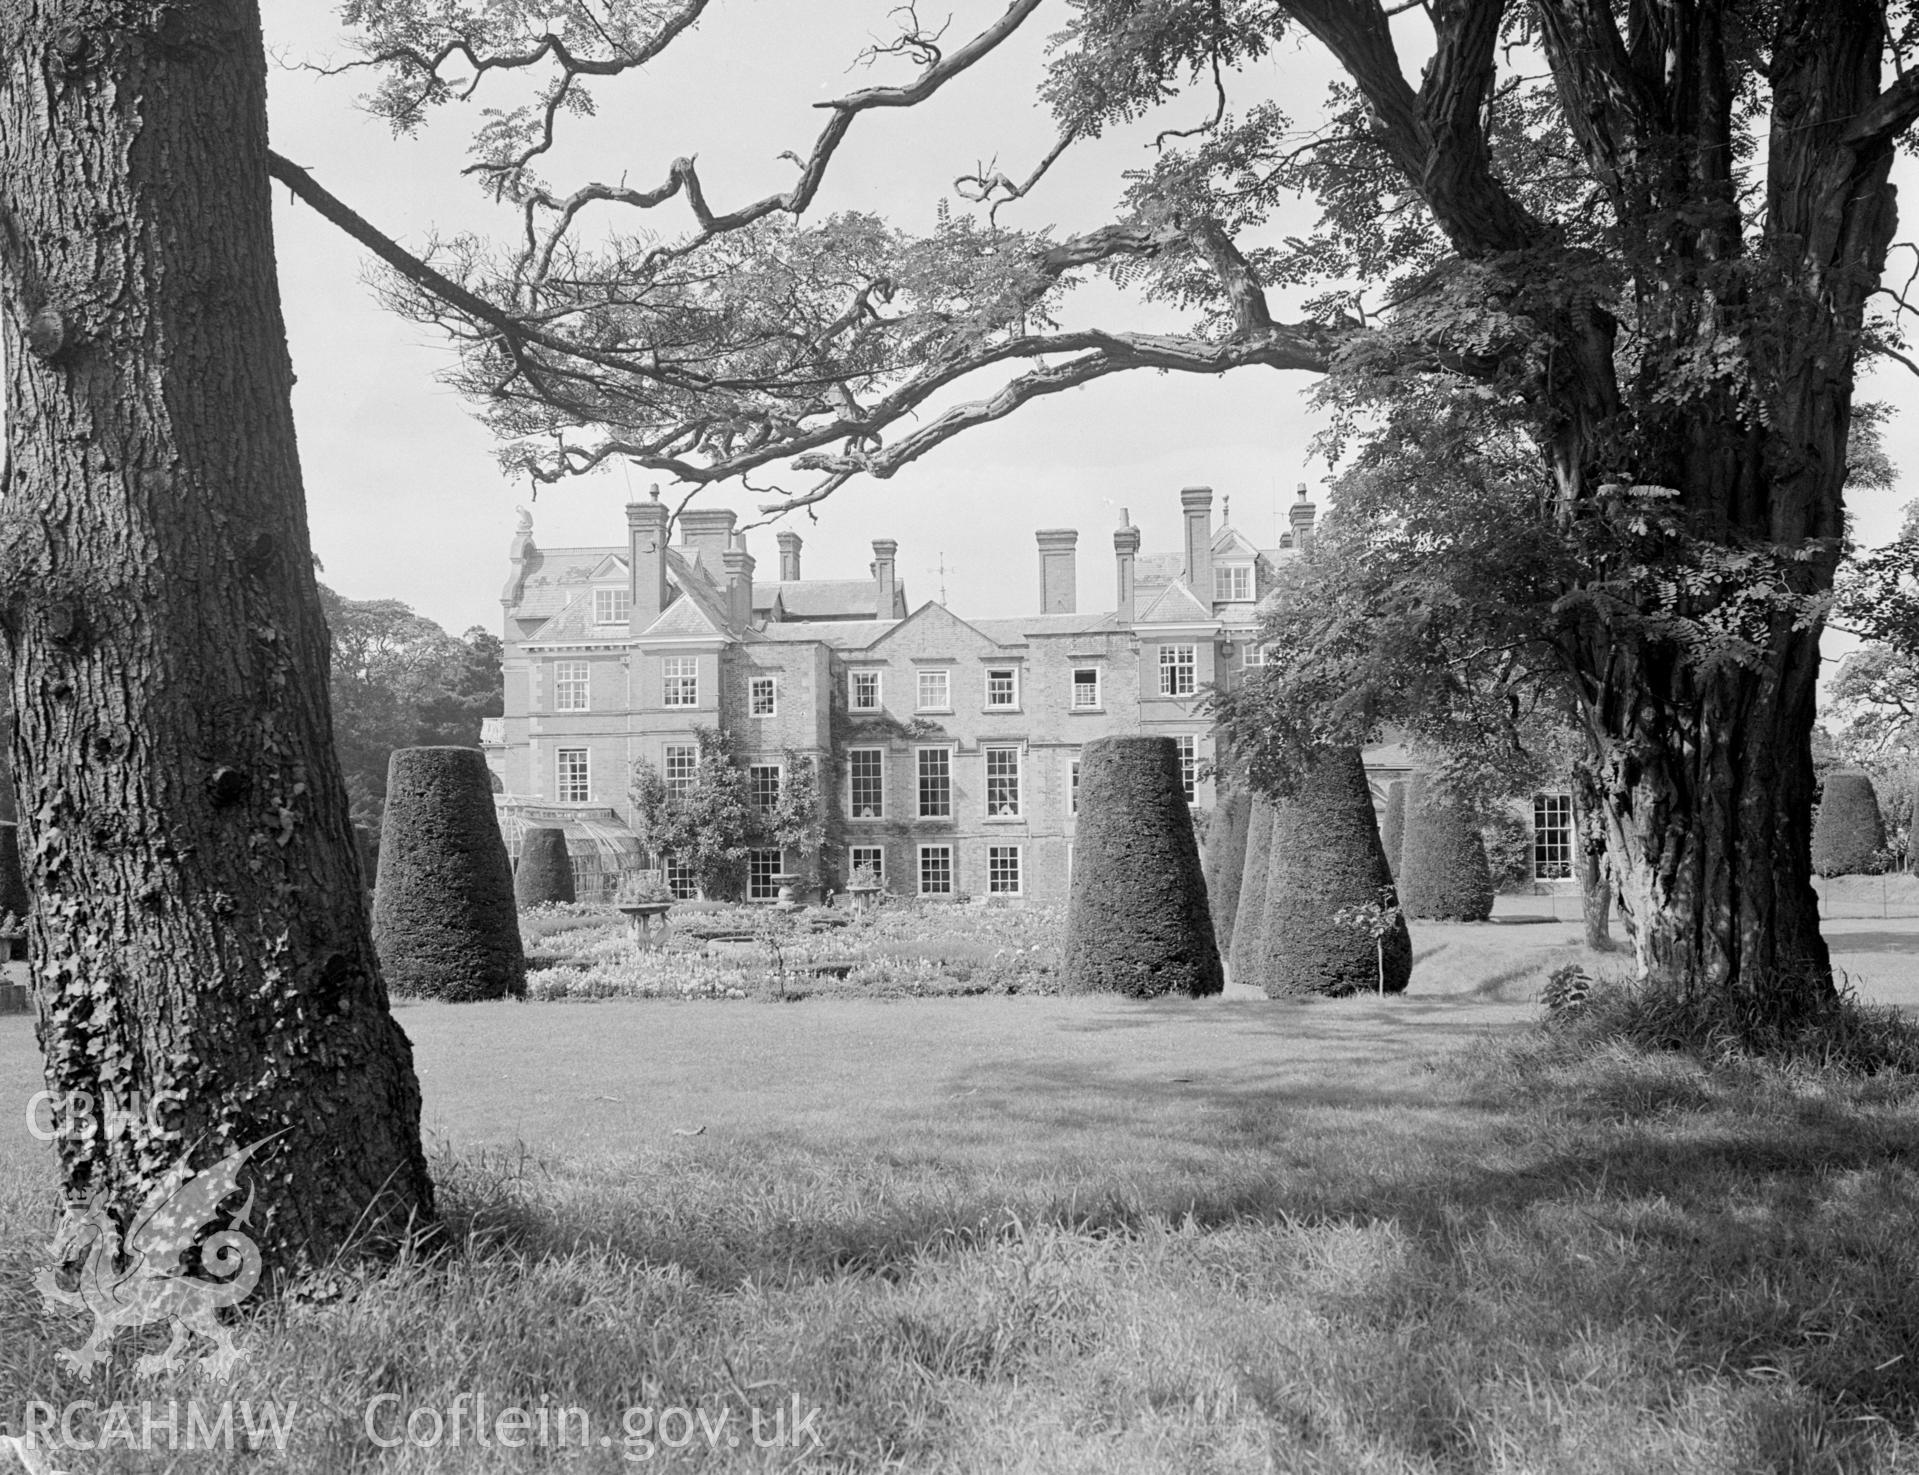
[{"x": 962, "y": 736}]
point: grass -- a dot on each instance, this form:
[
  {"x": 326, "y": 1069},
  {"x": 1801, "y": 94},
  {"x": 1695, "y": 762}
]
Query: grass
[{"x": 1045, "y": 1234}]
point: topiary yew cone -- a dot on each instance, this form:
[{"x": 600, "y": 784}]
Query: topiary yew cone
[
  {"x": 1225, "y": 862},
  {"x": 545, "y": 874},
  {"x": 1249, "y": 916},
  {"x": 443, "y": 914},
  {"x": 1848, "y": 834},
  {"x": 1327, "y": 856},
  {"x": 1443, "y": 872},
  {"x": 1137, "y": 922}
]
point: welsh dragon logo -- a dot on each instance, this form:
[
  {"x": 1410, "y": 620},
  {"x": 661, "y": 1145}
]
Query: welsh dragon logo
[{"x": 142, "y": 1278}]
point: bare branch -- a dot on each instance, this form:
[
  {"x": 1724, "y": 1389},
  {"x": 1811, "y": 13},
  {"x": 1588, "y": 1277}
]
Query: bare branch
[
  {"x": 1219, "y": 90},
  {"x": 913, "y": 40},
  {"x": 684, "y": 175},
  {"x": 981, "y": 187}
]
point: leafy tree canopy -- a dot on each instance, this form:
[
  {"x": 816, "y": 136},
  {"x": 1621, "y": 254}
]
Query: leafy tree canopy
[{"x": 400, "y": 681}]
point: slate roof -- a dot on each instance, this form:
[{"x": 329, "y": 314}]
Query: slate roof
[
  {"x": 841, "y": 634},
  {"x": 826, "y": 599},
  {"x": 1176, "y": 605}
]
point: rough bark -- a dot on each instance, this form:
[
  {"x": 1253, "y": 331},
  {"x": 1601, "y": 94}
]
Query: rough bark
[
  {"x": 199, "y": 934},
  {"x": 1707, "y": 801},
  {"x": 1589, "y": 859}
]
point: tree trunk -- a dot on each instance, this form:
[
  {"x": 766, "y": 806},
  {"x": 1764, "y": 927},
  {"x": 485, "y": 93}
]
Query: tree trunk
[
  {"x": 1589, "y": 849},
  {"x": 199, "y": 937},
  {"x": 1706, "y": 794}
]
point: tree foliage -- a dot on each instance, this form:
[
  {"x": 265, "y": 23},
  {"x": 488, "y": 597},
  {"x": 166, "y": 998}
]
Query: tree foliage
[
  {"x": 707, "y": 824},
  {"x": 400, "y": 681}
]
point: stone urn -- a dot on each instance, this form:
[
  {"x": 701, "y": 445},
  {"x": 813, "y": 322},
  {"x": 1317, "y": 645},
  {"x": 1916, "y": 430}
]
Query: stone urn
[{"x": 651, "y": 927}]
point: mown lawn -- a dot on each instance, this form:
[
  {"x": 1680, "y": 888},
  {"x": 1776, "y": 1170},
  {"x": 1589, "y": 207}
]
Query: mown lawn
[{"x": 1043, "y": 1234}]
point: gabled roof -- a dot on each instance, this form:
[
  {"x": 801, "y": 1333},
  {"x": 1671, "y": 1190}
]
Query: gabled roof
[
  {"x": 1175, "y": 606},
  {"x": 701, "y": 608},
  {"x": 575, "y": 622},
  {"x": 686, "y": 617},
  {"x": 1229, "y": 542},
  {"x": 937, "y": 620}
]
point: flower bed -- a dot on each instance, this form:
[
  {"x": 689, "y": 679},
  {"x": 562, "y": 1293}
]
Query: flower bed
[{"x": 903, "y": 949}]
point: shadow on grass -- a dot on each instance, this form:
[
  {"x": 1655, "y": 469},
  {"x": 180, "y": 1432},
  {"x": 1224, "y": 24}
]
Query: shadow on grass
[{"x": 1760, "y": 1232}]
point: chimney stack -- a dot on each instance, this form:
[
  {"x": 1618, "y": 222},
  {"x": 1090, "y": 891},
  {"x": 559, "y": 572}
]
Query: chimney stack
[
  {"x": 789, "y": 542},
  {"x": 708, "y": 531},
  {"x": 1058, "y": 577},
  {"x": 1125, "y": 547},
  {"x": 1197, "y": 503},
  {"x": 1301, "y": 515},
  {"x": 884, "y": 582},
  {"x": 739, "y": 583},
  {"x": 646, "y": 559}
]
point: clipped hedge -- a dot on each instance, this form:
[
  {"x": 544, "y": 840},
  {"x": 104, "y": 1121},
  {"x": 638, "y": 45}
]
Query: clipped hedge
[
  {"x": 1137, "y": 922},
  {"x": 544, "y": 874},
  {"x": 443, "y": 915},
  {"x": 1443, "y": 871},
  {"x": 1327, "y": 855},
  {"x": 1392, "y": 825},
  {"x": 1249, "y": 916},
  {"x": 1848, "y": 835},
  {"x": 1225, "y": 862}
]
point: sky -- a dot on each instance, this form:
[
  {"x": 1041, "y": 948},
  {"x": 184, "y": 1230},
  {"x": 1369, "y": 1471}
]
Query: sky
[{"x": 404, "y": 494}]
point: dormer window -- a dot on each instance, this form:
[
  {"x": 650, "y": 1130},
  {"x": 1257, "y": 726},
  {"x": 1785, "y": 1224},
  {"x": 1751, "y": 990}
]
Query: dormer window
[
  {"x": 1233, "y": 583},
  {"x": 612, "y": 606}
]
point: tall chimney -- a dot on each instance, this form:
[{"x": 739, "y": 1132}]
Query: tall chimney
[
  {"x": 708, "y": 530},
  {"x": 1125, "y": 547},
  {"x": 739, "y": 583},
  {"x": 1197, "y": 503},
  {"x": 646, "y": 559},
  {"x": 1058, "y": 577},
  {"x": 1301, "y": 514},
  {"x": 884, "y": 583},
  {"x": 789, "y": 542}
]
